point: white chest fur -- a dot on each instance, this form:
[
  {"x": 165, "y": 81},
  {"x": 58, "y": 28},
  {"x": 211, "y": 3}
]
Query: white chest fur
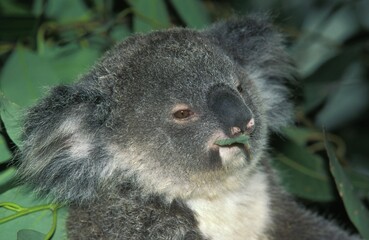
[{"x": 241, "y": 214}]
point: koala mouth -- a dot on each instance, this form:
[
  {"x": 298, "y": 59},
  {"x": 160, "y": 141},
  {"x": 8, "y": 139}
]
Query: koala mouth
[
  {"x": 233, "y": 150},
  {"x": 242, "y": 139}
]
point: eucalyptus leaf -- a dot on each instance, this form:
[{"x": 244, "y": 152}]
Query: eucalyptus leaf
[
  {"x": 24, "y": 76},
  {"x": 193, "y": 12},
  {"x": 69, "y": 61},
  {"x": 355, "y": 209},
  {"x": 7, "y": 179},
  {"x": 4, "y": 151},
  {"x": 29, "y": 234},
  {"x": 120, "y": 32},
  {"x": 67, "y": 10},
  {"x": 242, "y": 139},
  {"x": 299, "y": 135},
  {"x": 323, "y": 82},
  {"x": 360, "y": 181},
  {"x": 12, "y": 114},
  {"x": 149, "y": 15},
  {"x": 303, "y": 173},
  {"x": 349, "y": 101},
  {"x": 315, "y": 93},
  {"x": 23, "y": 80},
  {"x": 40, "y": 221},
  {"x": 362, "y": 8}
]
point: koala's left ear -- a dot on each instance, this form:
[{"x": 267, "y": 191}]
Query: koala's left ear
[{"x": 255, "y": 45}]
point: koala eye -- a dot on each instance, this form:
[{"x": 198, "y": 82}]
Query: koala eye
[
  {"x": 183, "y": 114},
  {"x": 240, "y": 88}
]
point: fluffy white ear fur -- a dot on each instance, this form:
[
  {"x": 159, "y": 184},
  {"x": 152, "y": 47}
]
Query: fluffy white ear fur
[{"x": 56, "y": 157}]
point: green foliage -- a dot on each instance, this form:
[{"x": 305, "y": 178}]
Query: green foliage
[
  {"x": 30, "y": 218},
  {"x": 149, "y": 15},
  {"x": 48, "y": 42},
  {"x": 4, "y": 151},
  {"x": 305, "y": 173},
  {"x": 20, "y": 211},
  {"x": 356, "y": 210},
  {"x": 198, "y": 18},
  {"x": 6, "y": 179},
  {"x": 26, "y": 75},
  {"x": 28, "y": 234}
]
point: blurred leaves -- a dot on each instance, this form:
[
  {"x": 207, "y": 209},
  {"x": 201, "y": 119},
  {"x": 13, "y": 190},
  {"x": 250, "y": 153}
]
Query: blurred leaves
[
  {"x": 11, "y": 7},
  {"x": 304, "y": 173},
  {"x": 149, "y": 15},
  {"x": 356, "y": 210},
  {"x": 67, "y": 10},
  {"x": 342, "y": 105},
  {"x": 13, "y": 28},
  {"x": 198, "y": 18},
  {"x": 48, "y": 42}
]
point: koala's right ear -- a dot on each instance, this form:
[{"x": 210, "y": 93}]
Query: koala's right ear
[
  {"x": 254, "y": 44},
  {"x": 62, "y": 156}
]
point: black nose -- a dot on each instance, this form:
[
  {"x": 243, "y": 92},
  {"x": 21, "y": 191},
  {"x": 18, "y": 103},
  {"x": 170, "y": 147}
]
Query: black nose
[{"x": 230, "y": 110}]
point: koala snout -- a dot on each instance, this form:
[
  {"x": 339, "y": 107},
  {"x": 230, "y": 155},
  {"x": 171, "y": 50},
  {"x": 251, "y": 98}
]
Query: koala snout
[{"x": 231, "y": 111}]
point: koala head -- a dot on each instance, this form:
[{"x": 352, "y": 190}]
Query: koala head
[{"x": 149, "y": 113}]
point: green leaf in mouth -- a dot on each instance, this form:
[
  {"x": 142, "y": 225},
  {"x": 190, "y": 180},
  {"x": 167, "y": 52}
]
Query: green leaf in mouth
[{"x": 241, "y": 139}]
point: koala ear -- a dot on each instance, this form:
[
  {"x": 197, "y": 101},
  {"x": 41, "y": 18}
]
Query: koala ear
[
  {"x": 253, "y": 43},
  {"x": 62, "y": 156}
]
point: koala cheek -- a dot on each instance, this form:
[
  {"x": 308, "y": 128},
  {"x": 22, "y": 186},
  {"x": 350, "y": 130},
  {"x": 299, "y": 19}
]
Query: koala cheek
[{"x": 218, "y": 134}]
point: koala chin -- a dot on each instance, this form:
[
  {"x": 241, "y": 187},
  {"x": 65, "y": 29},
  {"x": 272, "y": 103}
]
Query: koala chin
[{"x": 131, "y": 146}]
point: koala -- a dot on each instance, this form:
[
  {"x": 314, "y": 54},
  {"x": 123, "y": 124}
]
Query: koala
[{"x": 131, "y": 147}]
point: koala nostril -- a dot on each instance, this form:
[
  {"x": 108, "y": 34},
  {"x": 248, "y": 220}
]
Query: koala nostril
[
  {"x": 235, "y": 131},
  {"x": 250, "y": 125},
  {"x": 249, "y": 128}
]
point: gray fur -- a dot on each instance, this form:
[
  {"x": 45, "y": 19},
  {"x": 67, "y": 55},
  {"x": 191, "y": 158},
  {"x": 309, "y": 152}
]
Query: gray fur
[{"x": 109, "y": 145}]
